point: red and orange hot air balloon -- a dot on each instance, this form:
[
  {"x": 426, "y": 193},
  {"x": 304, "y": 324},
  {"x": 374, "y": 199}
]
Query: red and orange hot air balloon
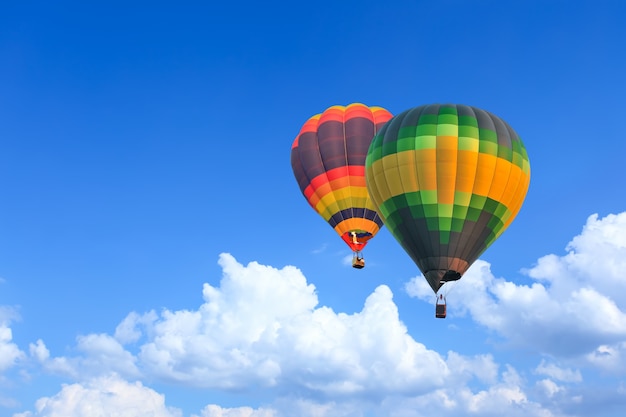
[{"x": 328, "y": 161}]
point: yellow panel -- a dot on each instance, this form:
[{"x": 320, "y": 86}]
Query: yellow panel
[
  {"x": 406, "y": 163},
  {"x": 361, "y": 202},
  {"x": 359, "y": 192},
  {"x": 343, "y": 196},
  {"x": 466, "y": 170},
  {"x": 462, "y": 198},
  {"x": 369, "y": 204},
  {"x": 390, "y": 165},
  {"x": 341, "y": 199},
  {"x": 327, "y": 206},
  {"x": 509, "y": 194},
  {"x": 320, "y": 192},
  {"x": 351, "y": 202},
  {"x": 446, "y": 168},
  {"x": 379, "y": 187},
  {"x": 500, "y": 179},
  {"x": 372, "y": 190},
  {"x": 426, "y": 160},
  {"x": 484, "y": 174},
  {"x": 381, "y": 184},
  {"x": 520, "y": 193}
]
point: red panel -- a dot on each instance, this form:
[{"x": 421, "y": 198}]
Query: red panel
[{"x": 336, "y": 173}]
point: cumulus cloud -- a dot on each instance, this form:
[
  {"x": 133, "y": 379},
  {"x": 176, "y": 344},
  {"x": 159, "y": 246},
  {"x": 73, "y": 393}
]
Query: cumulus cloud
[
  {"x": 111, "y": 395},
  {"x": 505, "y": 395},
  {"x": 558, "y": 373},
  {"x": 99, "y": 353},
  {"x": 262, "y": 328},
  {"x": 595, "y": 259},
  {"x": 10, "y": 353},
  {"x": 575, "y": 307},
  {"x": 103, "y": 396},
  {"x": 213, "y": 410}
]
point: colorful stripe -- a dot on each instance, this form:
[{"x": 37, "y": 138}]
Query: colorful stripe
[{"x": 328, "y": 161}]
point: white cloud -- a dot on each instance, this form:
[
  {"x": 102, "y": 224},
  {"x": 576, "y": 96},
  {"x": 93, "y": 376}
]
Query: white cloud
[
  {"x": 126, "y": 332},
  {"x": 100, "y": 353},
  {"x": 596, "y": 259},
  {"x": 110, "y": 395},
  {"x": 103, "y": 396},
  {"x": 10, "y": 353},
  {"x": 213, "y": 410},
  {"x": 609, "y": 358},
  {"x": 506, "y": 395},
  {"x": 57, "y": 365},
  {"x": 481, "y": 367},
  {"x": 245, "y": 336},
  {"x": 558, "y": 373},
  {"x": 321, "y": 249},
  {"x": 262, "y": 327},
  {"x": 576, "y": 305},
  {"x": 549, "y": 387}
]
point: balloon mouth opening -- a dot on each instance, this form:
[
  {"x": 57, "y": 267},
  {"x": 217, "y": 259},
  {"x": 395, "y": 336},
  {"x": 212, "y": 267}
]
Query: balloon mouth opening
[
  {"x": 356, "y": 239},
  {"x": 438, "y": 277},
  {"x": 450, "y": 276}
]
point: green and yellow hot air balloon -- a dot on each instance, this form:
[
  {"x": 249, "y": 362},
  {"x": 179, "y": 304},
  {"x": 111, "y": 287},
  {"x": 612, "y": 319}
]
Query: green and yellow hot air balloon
[
  {"x": 328, "y": 161},
  {"x": 447, "y": 180}
]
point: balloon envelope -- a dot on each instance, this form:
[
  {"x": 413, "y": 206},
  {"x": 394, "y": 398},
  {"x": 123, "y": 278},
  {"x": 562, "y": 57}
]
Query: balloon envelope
[
  {"x": 447, "y": 181},
  {"x": 328, "y": 161}
]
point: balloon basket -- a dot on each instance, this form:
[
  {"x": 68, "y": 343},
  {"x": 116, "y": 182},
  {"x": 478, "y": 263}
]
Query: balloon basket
[
  {"x": 440, "y": 307},
  {"x": 440, "y": 311},
  {"x": 358, "y": 263}
]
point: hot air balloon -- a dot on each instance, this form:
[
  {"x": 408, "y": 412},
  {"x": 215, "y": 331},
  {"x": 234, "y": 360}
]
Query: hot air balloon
[
  {"x": 328, "y": 161},
  {"x": 447, "y": 180}
]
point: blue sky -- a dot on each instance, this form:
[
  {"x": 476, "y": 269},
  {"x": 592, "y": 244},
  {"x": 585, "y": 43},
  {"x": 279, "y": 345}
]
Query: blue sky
[{"x": 158, "y": 259}]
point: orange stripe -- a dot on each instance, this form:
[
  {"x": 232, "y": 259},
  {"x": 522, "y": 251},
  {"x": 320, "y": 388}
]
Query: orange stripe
[
  {"x": 334, "y": 113},
  {"x": 446, "y": 168},
  {"x": 426, "y": 161},
  {"x": 466, "y": 170},
  {"x": 356, "y": 224},
  {"x": 380, "y": 115},
  {"x": 358, "y": 110},
  {"x": 515, "y": 176},
  {"x": 500, "y": 180},
  {"x": 310, "y": 125},
  {"x": 484, "y": 174}
]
